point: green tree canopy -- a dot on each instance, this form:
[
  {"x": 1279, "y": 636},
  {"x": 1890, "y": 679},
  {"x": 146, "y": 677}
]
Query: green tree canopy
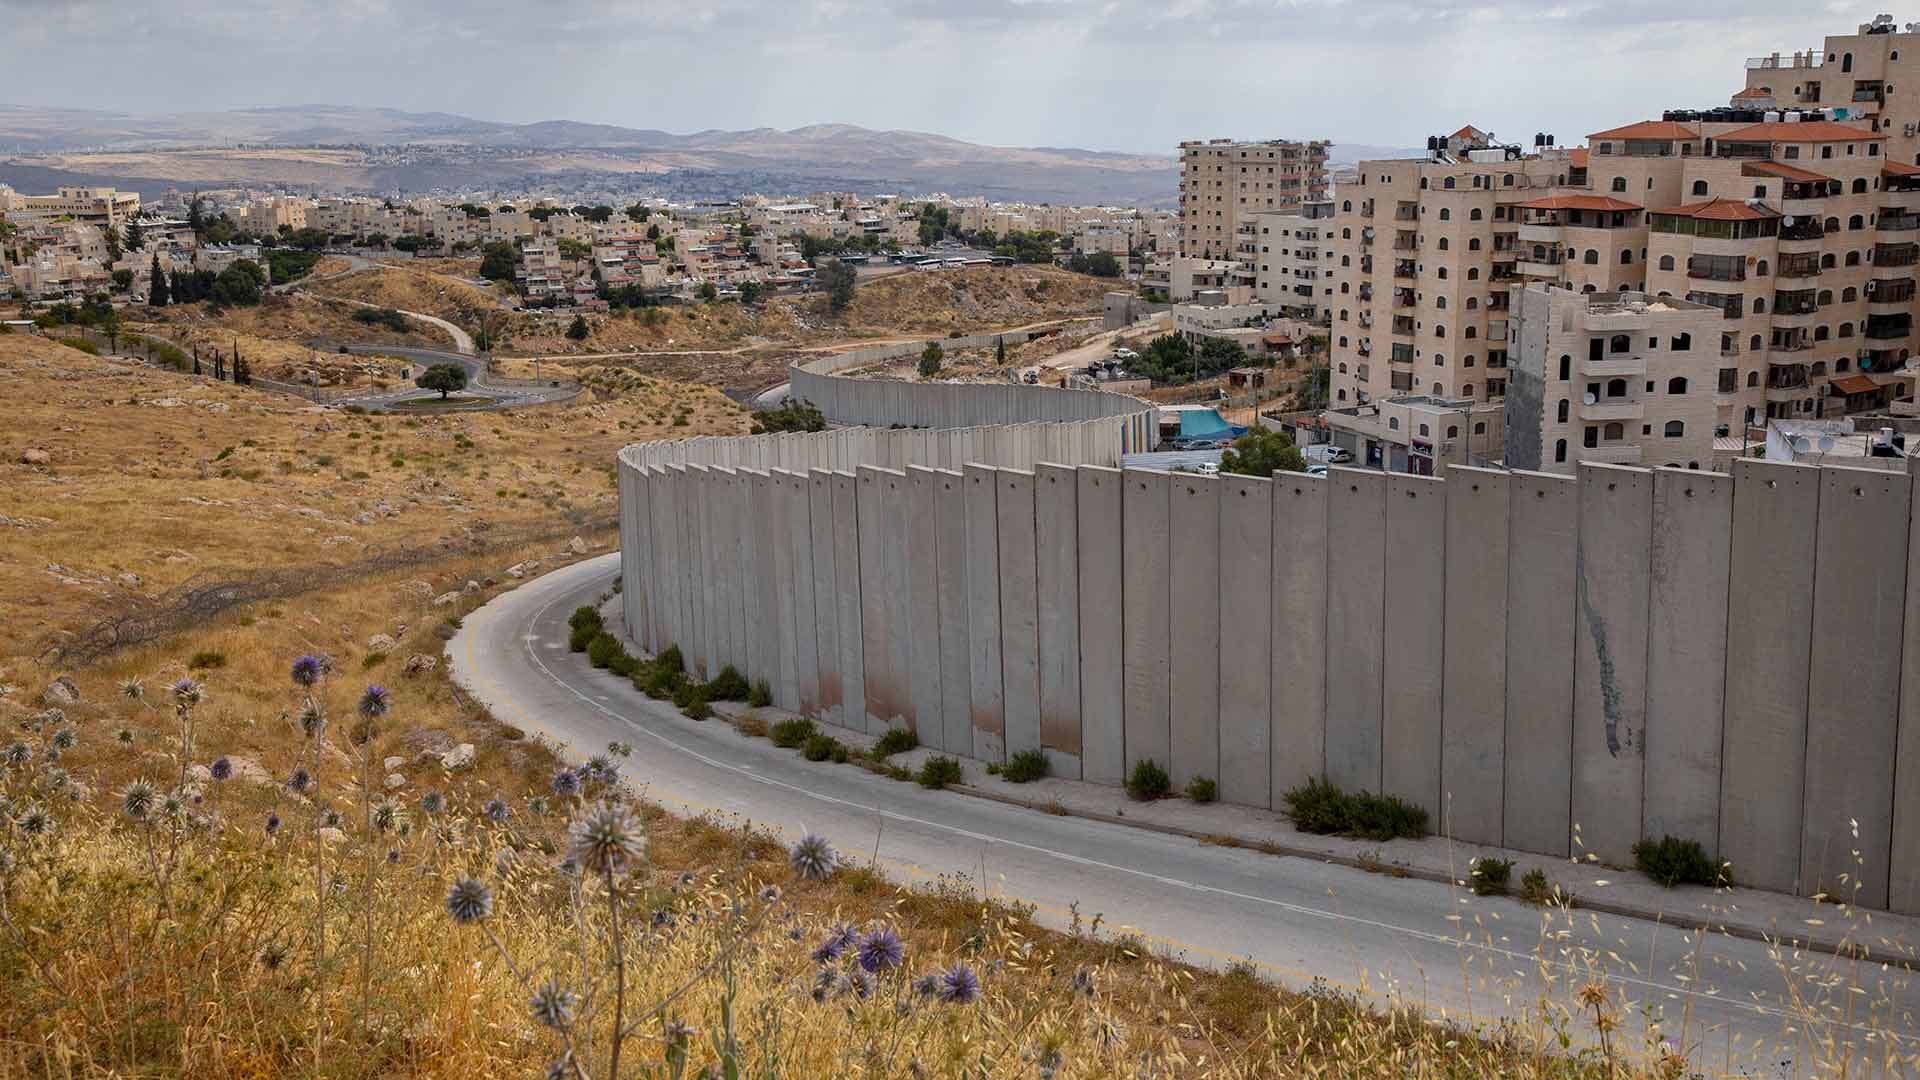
[
  {"x": 497, "y": 261},
  {"x": 930, "y": 358},
  {"x": 1262, "y": 451},
  {"x": 579, "y": 330},
  {"x": 239, "y": 285},
  {"x": 838, "y": 279},
  {"x": 446, "y": 378}
]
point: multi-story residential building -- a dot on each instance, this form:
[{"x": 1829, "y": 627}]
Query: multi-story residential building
[
  {"x": 266, "y": 217},
  {"x": 1291, "y": 261},
  {"x": 1222, "y": 181},
  {"x": 1415, "y": 433},
  {"x": 1423, "y": 253},
  {"x": 1609, "y": 376},
  {"x": 541, "y": 273},
  {"x": 98, "y": 206},
  {"x": 1872, "y": 74}
]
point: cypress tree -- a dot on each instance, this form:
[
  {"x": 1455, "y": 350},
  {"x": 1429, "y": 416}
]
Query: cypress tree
[{"x": 159, "y": 293}]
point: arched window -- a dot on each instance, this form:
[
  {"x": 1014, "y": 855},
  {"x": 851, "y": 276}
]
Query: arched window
[
  {"x": 1626, "y": 258},
  {"x": 1472, "y": 332},
  {"x": 1566, "y": 367},
  {"x": 1393, "y": 423},
  {"x": 1824, "y": 297},
  {"x": 1699, "y": 187},
  {"x": 1343, "y": 342},
  {"x": 1446, "y": 214},
  {"x": 1616, "y": 388},
  {"x": 1442, "y": 272},
  {"x": 1473, "y": 243},
  {"x": 1833, "y": 224},
  {"x": 1443, "y": 243},
  {"x": 1675, "y": 429},
  {"x": 1343, "y": 315},
  {"x": 1614, "y": 432},
  {"x": 1453, "y": 431},
  {"x": 1440, "y": 303},
  {"x": 1439, "y": 359},
  {"x": 1343, "y": 366},
  {"x": 1853, "y": 258},
  {"x": 1473, "y": 303},
  {"x": 1856, "y": 222},
  {"x": 1819, "y": 333},
  {"x": 1680, "y": 343},
  {"x": 1439, "y": 330},
  {"x": 1591, "y": 258},
  {"x": 1343, "y": 393},
  {"x": 1759, "y": 305},
  {"x": 1846, "y": 329},
  {"x": 1859, "y": 186},
  {"x": 1539, "y": 252},
  {"x": 1559, "y": 451},
  {"x": 1760, "y": 268},
  {"x": 1439, "y": 390},
  {"x": 1753, "y": 343},
  {"x": 1826, "y": 261},
  {"x": 1619, "y": 343},
  {"x": 1346, "y": 260},
  {"x": 1473, "y": 272},
  {"x": 1474, "y": 214},
  {"x": 1507, "y": 180},
  {"x": 1846, "y": 63},
  {"x": 1818, "y": 368},
  {"x": 1467, "y": 361},
  {"x": 1753, "y": 379},
  {"x": 1666, "y": 262},
  {"x": 1346, "y": 234},
  {"x": 1677, "y": 385},
  {"x": 1343, "y": 288},
  {"x": 1347, "y": 207},
  {"x": 1619, "y": 183},
  {"x": 1448, "y": 184},
  {"x": 1849, "y": 294},
  {"x": 1561, "y": 410}
]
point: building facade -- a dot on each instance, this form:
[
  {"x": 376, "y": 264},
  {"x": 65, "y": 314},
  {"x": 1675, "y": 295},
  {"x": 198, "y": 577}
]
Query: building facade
[{"x": 1222, "y": 181}]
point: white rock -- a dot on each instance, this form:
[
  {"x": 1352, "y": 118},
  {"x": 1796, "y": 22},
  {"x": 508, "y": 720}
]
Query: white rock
[
  {"x": 61, "y": 691},
  {"x": 392, "y": 763},
  {"x": 577, "y": 546},
  {"x": 380, "y": 643},
  {"x": 395, "y": 781},
  {"x": 445, "y": 598},
  {"x": 33, "y": 455},
  {"x": 516, "y": 570},
  {"x": 472, "y": 586},
  {"x": 332, "y": 835},
  {"x": 460, "y": 757}
]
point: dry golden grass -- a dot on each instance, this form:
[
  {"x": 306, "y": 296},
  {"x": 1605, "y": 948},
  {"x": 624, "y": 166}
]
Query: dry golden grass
[
  {"x": 278, "y": 335},
  {"x": 162, "y": 476},
  {"x": 412, "y": 290},
  {"x": 968, "y": 301}
]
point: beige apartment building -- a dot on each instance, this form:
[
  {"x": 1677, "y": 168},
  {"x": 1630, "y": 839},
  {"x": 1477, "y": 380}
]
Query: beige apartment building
[
  {"x": 266, "y": 217},
  {"x": 97, "y": 206},
  {"x": 1615, "y": 377},
  {"x": 1871, "y": 75},
  {"x": 1291, "y": 258},
  {"x": 1222, "y": 181}
]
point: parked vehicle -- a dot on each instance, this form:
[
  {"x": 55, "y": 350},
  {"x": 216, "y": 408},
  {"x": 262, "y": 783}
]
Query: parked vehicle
[
  {"x": 1327, "y": 454},
  {"x": 1316, "y": 470}
]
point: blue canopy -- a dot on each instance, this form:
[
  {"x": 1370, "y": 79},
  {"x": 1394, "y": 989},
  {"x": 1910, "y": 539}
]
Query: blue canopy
[{"x": 1207, "y": 424}]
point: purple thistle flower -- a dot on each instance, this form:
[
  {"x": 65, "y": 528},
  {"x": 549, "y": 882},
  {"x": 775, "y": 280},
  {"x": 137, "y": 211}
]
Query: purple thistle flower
[
  {"x": 881, "y": 950},
  {"x": 860, "y": 981},
  {"x": 374, "y": 702},
  {"x": 813, "y": 858},
  {"x": 496, "y": 810},
  {"x": 273, "y": 824},
  {"x": 299, "y": 781},
  {"x": 307, "y": 670},
  {"x": 469, "y": 901},
  {"x": 839, "y": 939},
  {"x": 188, "y": 692},
  {"x": 433, "y": 802},
  {"x": 927, "y": 986},
  {"x": 959, "y": 985},
  {"x": 222, "y": 769},
  {"x": 566, "y": 782}
]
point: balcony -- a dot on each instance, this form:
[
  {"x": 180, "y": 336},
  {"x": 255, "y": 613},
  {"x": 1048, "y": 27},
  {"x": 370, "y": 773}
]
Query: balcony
[
  {"x": 1897, "y": 223},
  {"x": 1548, "y": 268},
  {"x": 1497, "y": 331},
  {"x": 1613, "y": 409},
  {"x": 1401, "y": 354},
  {"x": 1614, "y": 364},
  {"x": 1366, "y": 292},
  {"x": 1403, "y": 269},
  {"x": 1809, "y": 228},
  {"x": 1788, "y": 394},
  {"x": 1889, "y": 327},
  {"x": 1540, "y": 233},
  {"x": 1612, "y": 454},
  {"x": 1403, "y": 326},
  {"x": 1403, "y": 298},
  {"x": 1406, "y": 212},
  {"x": 1885, "y": 255}
]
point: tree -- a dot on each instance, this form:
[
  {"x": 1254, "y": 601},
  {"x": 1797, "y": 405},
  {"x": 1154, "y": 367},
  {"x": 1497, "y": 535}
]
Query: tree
[
  {"x": 446, "y": 378},
  {"x": 113, "y": 245},
  {"x": 1000, "y": 351},
  {"x": 636, "y": 212},
  {"x": 239, "y": 285},
  {"x": 158, "y": 292},
  {"x": 574, "y": 249},
  {"x": 1099, "y": 264},
  {"x": 498, "y": 260},
  {"x": 196, "y": 215},
  {"x": 749, "y": 292},
  {"x": 136, "y": 236},
  {"x": 599, "y": 215},
  {"x": 791, "y": 416},
  {"x": 930, "y": 358},
  {"x": 1168, "y": 359},
  {"x": 838, "y": 279},
  {"x": 123, "y": 279},
  {"x": 708, "y": 292},
  {"x": 1262, "y": 451},
  {"x": 653, "y": 232},
  {"x": 1217, "y": 355},
  {"x": 579, "y": 330}
]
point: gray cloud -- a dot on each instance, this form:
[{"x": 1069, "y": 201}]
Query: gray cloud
[{"x": 1107, "y": 74}]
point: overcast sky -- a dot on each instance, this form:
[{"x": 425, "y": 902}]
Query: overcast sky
[{"x": 1114, "y": 75}]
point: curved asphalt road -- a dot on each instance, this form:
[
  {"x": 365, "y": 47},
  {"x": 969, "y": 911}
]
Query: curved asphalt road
[
  {"x": 479, "y": 383},
  {"x": 1468, "y": 958}
]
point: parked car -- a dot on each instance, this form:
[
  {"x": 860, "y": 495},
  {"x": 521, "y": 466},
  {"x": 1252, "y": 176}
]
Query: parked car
[
  {"x": 1125, "y": 354},
  {"x": 1327, "y": 454},
  {"x": 1316, "y": 470}
]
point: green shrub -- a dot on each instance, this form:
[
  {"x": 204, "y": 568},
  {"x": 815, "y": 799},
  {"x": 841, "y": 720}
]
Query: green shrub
[
  {"x": 603, "y": 648},
  {"x": 584, "y": 615},
  {"x": 1490, "y": 876},
  {"x": 896, "y": 741},
  {"x": 623, "y": 665},
  {"x": 207, "y": 658},
  {"x": 792, "y": 733},
  {"x": 729, "y": 685},
  {"x": 1535, "y": 889},
  {"x": 82, "y": 344},
  {"x": 659, "y": 683},
  {"x": 697, "y": 709},
  {"x": 1672, "y": 861},
  {"x": 938, "y": 771},
  {"x": 582, "y": 636},
  {"x": 1148, "y": 781},
  {"x": 671, "y": 659},
  {"x": 372, "y": 660},
  {"x": 761, "y": 695},
  {"x": 1024, "y": 767},
  {"x": 1319, "y": 806},
  {"x": 1202, "y": 789},
  {"x": 820, "y": 747}
]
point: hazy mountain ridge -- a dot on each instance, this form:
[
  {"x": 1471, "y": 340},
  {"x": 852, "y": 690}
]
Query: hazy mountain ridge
[{"x": 188, "y": 147}]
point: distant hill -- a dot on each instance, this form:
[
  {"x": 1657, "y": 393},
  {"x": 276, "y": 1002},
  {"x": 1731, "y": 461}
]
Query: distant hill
[{"x": 267, "y": 146}]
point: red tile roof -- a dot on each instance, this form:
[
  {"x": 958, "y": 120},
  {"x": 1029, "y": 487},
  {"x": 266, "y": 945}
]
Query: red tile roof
[
  {"x": 1650, "y": 129},
  {"x": 1854, "y": 384},
  {"x": 1780, "y": 169},
  {"x": 1815, "y": 131},
  {"x": 1720, "y": 210},
  {"x": 1752, "y": 92},
  {"x": 1468, "y": 132},
  {"x": 1579, "y": 202},
  {"x": 1898, "y": 168}
]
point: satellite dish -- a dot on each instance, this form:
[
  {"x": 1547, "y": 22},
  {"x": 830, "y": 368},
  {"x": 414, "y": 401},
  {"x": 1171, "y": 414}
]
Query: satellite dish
[
  {"x": 1800, "y": 444},
  {"x": 1787, "y": 220},
  {"x": 1826, "y": 443},
  {"x": 1591, "y": 399}
]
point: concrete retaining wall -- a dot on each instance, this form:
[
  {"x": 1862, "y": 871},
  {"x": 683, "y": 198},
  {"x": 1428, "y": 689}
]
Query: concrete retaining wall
[{"x": 1558, "y": 665}]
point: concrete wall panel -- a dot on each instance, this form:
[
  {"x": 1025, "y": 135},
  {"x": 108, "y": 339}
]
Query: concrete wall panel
[
  {"x": 1019, "y": 611},
  {"x": 954, "y": 732},
  {"x": 1411, "y": 699},
  {"x": 1687, "y": 653},
  {"x": 825, "y": 593},
  {"x": 1904, "y": 886},
  {"x": 1356, "y": 630},
  {"x": 847, "y": 581},
  {"x": 1610, "y": 666},
  {"x": 1769, "y": 646},
  {"x": 806, "y": 635},
  {"x": 783, "y": 604},
  {"x": 1102, "y": 667},
  {"x": 1543, "y": 513},
  {"x": 895, "y": 503},
  {"x": 1246, "y": 638},
  {"x": 1474, "y": 691},
  {"x": 923, "y": 598},
  {"x": 1299, "y": 565},
  {"x": 1859, "y": 610},
  {"x": 1194, "y": 625},
  {"x": 1146, "y": 644},
  {"x": 1057, "y": 548},
  {"x": 986, "y": 711},
  {"x": 874, "y": 605}
]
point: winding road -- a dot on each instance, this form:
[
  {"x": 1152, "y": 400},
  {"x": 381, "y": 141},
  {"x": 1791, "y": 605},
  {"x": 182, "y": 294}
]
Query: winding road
[{"x": 1471, "y": 959}]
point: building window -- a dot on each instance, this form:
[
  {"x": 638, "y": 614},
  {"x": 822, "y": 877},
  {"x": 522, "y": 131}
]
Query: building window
[
  {"x": 1675, "y": 429},
  {"x": 1753, "y": 379},
  {"x": 1615, "y": 432},
  {"x": 1559, "y": 450},
  {"x": 1566, "y": 367},
  {"x": 1666, "y": 262},
  {"x": 1699, "y": 187},
  {"x": 1626, "y": 257},
  {"x": 1561, "y": 410},
  {"x": 1474, "y": 214},
  {"x": 1619, "y": 183},
  {"x": 1393, "y": 423},
  {"x": 1591, "y": 258},
  {"x": 1446, "y": 214},
  {"x": 1619, "y": 343},
  {"x": 1859, "y": 187},
  {"x": 1616, "y": 388},
  {"x": 1681, "y": 343},
  {"x": 1676, "y": 385}
]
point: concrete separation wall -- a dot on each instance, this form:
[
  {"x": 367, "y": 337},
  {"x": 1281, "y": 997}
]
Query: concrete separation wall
[{"x": 1562, "y": 666}]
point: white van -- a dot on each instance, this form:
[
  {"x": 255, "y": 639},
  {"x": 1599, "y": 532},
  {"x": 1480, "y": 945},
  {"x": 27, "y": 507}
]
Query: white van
[{"x": 1327, "y": 454}]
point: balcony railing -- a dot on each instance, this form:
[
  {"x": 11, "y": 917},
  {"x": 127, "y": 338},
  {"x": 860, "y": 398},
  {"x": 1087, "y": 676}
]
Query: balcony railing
[
  {"x": 1898, "y": 223},
  {"x": 1403, "y": 270},
  {"x": 1890, "y": 292},
  {"x": 1895, "y": 254},
  {"x": 1810, "y": 229}
]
